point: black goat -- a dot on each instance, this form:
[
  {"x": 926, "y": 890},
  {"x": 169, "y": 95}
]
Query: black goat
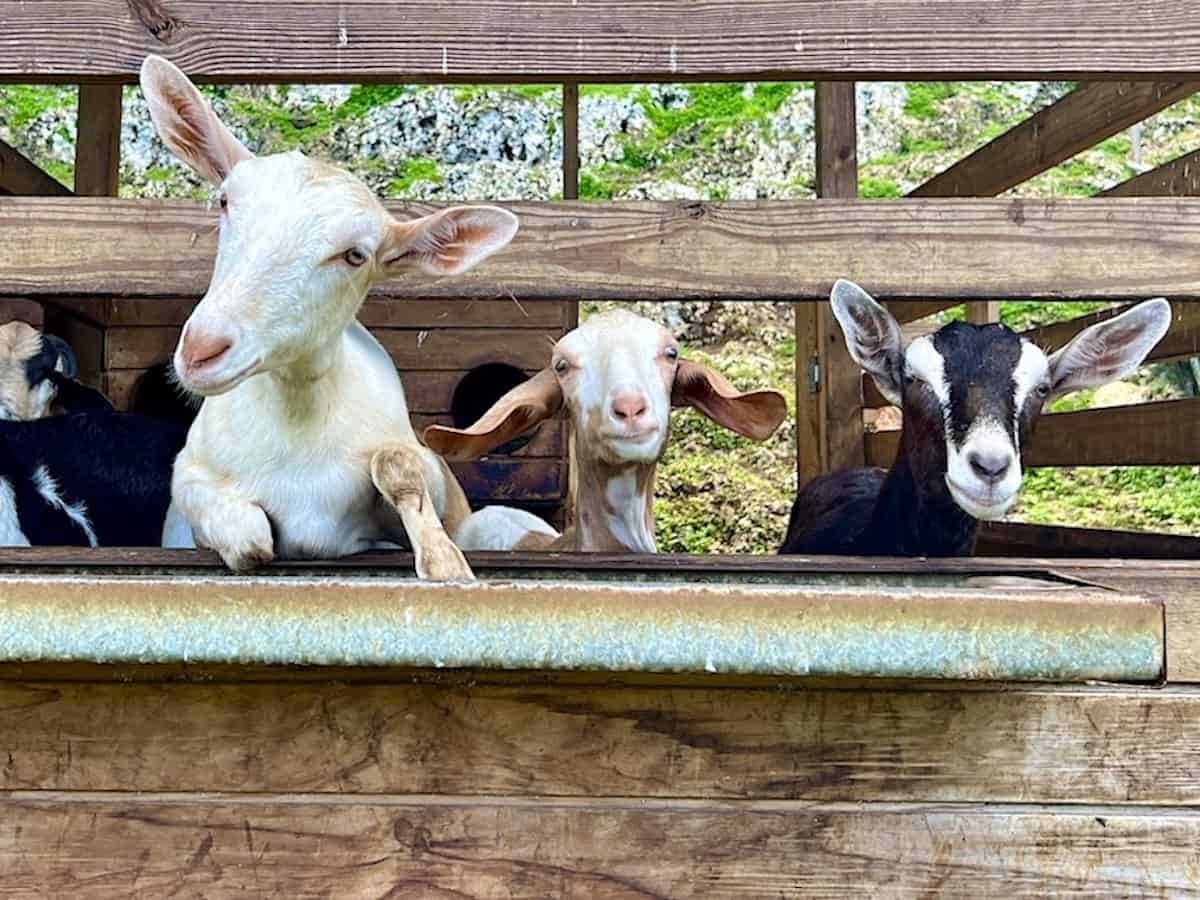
[
  {"x": 94, "y": 478},
  {"x": 970, "y": 395}
]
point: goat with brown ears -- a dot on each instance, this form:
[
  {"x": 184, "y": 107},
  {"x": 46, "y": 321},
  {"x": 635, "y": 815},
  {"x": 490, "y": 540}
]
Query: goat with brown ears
[{"x": 617, "y": 376}]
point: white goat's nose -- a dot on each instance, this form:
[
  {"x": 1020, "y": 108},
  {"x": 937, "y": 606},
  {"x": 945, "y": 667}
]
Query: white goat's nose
[
  {"x": 989, "y": 466},
  {"x": 629, "y": 406},
  {"x": 199, "y": 349}
]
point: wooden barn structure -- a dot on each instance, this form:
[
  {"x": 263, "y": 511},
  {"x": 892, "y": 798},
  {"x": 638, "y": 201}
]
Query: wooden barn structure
[{"x": 620, "y": 727}]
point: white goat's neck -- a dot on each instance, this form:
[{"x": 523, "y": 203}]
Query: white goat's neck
[{"x": 613, "y": 505}]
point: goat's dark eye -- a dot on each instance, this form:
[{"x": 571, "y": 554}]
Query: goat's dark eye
[
  {"x": 1042, "y": 390},
  {"x": 223, "y": 202},
  {"x": 561, "y": 366},
  {"x": 354, "y": 257},
  {"x": 672, "y": 352}
]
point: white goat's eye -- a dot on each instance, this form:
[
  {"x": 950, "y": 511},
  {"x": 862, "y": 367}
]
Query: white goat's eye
[
  {"x": 354, "y": 257},
  {"x": 223, "y": 202},
  {"x": 672, "y": 352},
  {"x": 561, "y": 366}
]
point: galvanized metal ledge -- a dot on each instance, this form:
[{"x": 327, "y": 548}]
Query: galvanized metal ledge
[{"x": 794, "y": 629}]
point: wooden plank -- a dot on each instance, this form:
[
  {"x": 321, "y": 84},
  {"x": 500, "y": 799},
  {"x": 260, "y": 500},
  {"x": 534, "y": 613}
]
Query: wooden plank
[
  {"x": 86, "y": 339},
  {"x": 911, "y": 310},
  {"x": 1071, "y": 125},
  {"x": 783, "y": 251},
  {"x": 462, "y": 348},
  {"x": 1146, "y": 434},
  {"x": 98, "y": 140},
  {"x": 570, "y": 146},
  {"x": 138, "y": 348},
  {"x": 311, "y": 847},
  {"x": 983, "y": 312},
  {"x": 15, "y": 309},
  {"x": 20, "y": 176},
  {"x": 1183, "y": 340},
  {"x": 511, "y": 481},
  {"x": 1178, "y": 178},
  {"x": 1023, "y": 539},
  {"x": 622, "y": 40},
  {"x": 837, "y": 405},
  {"x": 817, "y": 745}
]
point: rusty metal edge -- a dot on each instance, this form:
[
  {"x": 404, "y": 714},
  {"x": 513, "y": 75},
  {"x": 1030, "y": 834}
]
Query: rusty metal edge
[{"x": 1026, "y": 634}]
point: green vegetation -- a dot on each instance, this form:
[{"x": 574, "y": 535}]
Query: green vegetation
[
  {"x": 414, "y": 170},
  {"x": 924, "y": 97}
]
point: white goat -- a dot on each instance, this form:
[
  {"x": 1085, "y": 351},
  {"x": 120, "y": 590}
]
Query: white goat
[
  {"x": 303, "y": 446},
  {"x": 618, "y": 375}
]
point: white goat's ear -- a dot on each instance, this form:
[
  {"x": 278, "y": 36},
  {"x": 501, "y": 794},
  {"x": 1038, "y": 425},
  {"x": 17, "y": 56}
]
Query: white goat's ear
[
  {"x": 872, "y": 337},
  {"x": 512, "y": 415},
  {"x": 187, "y": 124},
  {"x": 754, "y": 414},
  {"x": 1110, "y": 350},
  {"x": 448, "y": 242}
]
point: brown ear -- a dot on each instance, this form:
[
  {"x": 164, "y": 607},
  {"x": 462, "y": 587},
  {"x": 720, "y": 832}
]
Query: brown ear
[
  {"x": 755, "y": 414},
  {"x": 187, "y": 124},
  {"x": 448, "y": 242},
  {"x": 516, "y": 412}
]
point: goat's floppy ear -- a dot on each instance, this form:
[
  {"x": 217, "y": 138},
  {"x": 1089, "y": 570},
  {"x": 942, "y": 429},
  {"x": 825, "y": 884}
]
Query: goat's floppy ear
[
  {"x": 1110, "y": 350},
  {"x": 187, "y": 124},
  {"x": 516, "y": 412},
  {"x": 872, "y": 337},
  {"x": 448, "y": 242},
  {"x": 755, "y": 414},
  {"x": 65, "y": 362}
]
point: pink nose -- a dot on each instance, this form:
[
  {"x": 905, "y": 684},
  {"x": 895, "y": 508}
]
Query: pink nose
[
  {"x": 199, "y": 349},
  {"x": 629, "y": 407}
]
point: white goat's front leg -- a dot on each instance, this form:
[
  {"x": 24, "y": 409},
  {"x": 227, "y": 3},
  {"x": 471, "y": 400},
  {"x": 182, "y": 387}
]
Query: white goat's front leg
[
  {"x": 399, "y": 474},
  {"x": 221, "y": 518}
]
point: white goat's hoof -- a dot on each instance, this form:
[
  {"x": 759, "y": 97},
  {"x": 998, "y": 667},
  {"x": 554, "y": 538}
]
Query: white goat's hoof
[
  {"x": 442, "y": 561},
  {"x": 244, "y": 541}
]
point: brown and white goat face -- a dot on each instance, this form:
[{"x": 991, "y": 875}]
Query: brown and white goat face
[
  {"x": 618, "y": 375},
  {"x": 30, "y": 363},
  {"x": 971, "y": 394},
  {"x": 300, "y": 243}
]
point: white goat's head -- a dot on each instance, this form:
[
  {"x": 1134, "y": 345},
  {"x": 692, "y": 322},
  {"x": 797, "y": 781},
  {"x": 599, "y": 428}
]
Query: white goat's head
[
  {"x": 618, "y": 375},
  {"x": 300, "y": 243}
]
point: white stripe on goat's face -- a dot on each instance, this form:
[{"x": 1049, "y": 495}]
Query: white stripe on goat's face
[
  {"x": 982, "y": 388},
  {"x": 281, "y": 286},
  {"x": 616, "y": 371}
]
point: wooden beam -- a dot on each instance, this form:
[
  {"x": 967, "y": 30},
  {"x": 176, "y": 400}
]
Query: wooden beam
[
  {"x": 1146, "y": 434},
  {"x": 1178, "y": 178},
  {"x": 1022, "y": 539},
  {"x": 911, "y": 310},
  {"x": 570, "y": 166},
  {"x": 1078, "y": 121},
  {"x": 21, "y": 177},
  {"x": 819, "y": 744},
  {"x": 625, "y": 40},
  {"x": 983, "y": 312},
  {"x": 1182, "y": 341},
  {"x": 834, "y": 411},
  {"x": 779, "y": 250},
  {"x": 98, "y": 140}
]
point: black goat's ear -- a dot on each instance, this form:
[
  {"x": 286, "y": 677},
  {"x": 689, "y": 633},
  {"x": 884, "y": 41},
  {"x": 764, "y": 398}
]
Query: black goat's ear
[
  {"x": 1110, "y": 350},
  {"x": 65, "y": 362},
  {"x": 872, "y": 337}
]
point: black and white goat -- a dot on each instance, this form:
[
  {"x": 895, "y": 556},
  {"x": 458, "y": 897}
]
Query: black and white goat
[
  {"x": 93, "y": 478},
  {"x": 37, "y": 376},
  {"x": 970, "y": 395}
]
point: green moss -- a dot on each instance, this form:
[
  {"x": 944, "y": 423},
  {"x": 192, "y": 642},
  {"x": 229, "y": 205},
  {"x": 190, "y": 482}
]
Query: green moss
[
  {"x": 365, "y": 97},
  {"x": 280, "y": 128},
  {"x": 871, "y": 187},
  {"x": 924, "y": 98},
  {"x": 22, "y": 103},
  {"x": 421, "y": 168}
]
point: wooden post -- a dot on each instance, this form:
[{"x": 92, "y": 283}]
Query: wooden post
[
  {"x": 829, "y": 426},
  {"x": 98, "y": 140},
  {"x": 983, "y": 312},
  {"x": 570, "y": 165}
]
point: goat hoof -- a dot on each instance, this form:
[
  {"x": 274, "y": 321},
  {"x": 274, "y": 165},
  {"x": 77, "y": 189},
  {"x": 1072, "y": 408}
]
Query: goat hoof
[
  {"x": 248, "y": 559},
  {"x": 443, "y": 562}
]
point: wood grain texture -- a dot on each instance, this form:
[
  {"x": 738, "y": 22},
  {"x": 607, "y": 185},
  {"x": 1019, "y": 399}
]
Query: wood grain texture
[
  {"x": 15, "y": 309},
  {"x": 852, "y": 745},
  {"x": 20, "y": 176},
  {"x": 786, "y": 251},
  {"x": 1178, "y": 178},
  {"x": 1022, "y": 539},
  {"x": 1166, "y": 433},
  {"x": 98, "y": 140},
  {"x": 1071, "y": 125},
  {"x": 509, "y": 40},
  {"x": 229, "y": 846}
]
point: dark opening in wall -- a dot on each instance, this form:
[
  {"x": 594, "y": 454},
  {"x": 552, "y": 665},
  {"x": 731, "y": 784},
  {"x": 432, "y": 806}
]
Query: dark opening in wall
[{"x": 478, "y": 390}]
